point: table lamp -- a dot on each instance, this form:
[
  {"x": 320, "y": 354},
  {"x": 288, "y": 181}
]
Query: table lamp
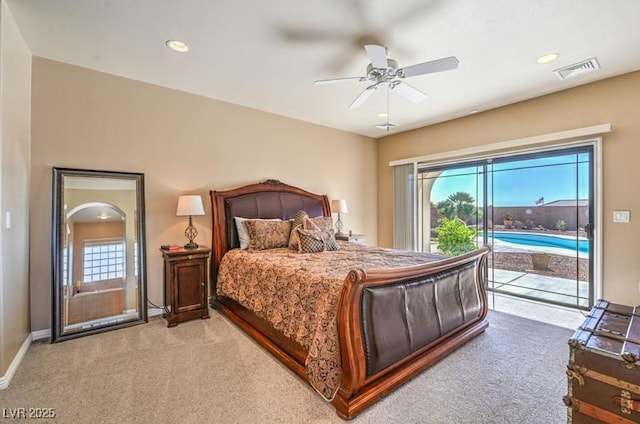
[
  {"x": 190, "y": 205},
  {"x": 339, "y": 206}
]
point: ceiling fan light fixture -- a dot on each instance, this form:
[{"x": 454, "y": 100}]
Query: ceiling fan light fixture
[
  {"x": 384, "y": 72},
  {"x": 547, "y": 58},
  {"x": 387, "y": 126},
  {"x": 177, "y": 46}
]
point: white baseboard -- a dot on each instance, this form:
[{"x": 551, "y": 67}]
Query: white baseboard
[
  {"x": 6, "y": 379},
  {"x": 41, "y": 334},
  {"x": 154, "y": 312}
]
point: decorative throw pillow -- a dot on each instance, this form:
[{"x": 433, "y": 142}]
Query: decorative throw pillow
[
  {"x": 268, "y": 234},
  {"x": 324, "y": 223},
  {"x": 330, "y": 242},
  {"x": 243, "y": 236},
  {"x": 298, "y": 222},
  {"x": 312, "y": 241}
]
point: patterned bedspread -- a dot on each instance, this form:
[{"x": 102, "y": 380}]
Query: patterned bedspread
[{"x": 298, "y": 294}]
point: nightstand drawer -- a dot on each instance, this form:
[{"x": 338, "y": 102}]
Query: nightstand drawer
[{"x": 353, "y": 238}]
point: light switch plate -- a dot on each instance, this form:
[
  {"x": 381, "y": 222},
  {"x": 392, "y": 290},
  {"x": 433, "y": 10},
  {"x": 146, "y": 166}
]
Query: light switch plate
[{"x": 621, "y": 216}]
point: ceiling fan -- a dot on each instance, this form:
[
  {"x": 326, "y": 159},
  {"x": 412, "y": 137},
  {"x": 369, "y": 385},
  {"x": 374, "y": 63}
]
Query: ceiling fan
[
  {"x": 383, "y": 71},
  {"x": 371, "y": 22}
]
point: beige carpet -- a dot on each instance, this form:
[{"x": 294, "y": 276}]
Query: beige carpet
[{"x": 208, "y": 371}]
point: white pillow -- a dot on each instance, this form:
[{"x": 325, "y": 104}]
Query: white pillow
[{"x": 243, "y": 235}]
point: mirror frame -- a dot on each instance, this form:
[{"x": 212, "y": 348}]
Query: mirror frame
[{"x": 58, "y": 227}]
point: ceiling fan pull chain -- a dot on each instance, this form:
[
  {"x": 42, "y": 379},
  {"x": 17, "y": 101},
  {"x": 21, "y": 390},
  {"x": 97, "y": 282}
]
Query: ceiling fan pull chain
[{"x": 388, "y": 127}]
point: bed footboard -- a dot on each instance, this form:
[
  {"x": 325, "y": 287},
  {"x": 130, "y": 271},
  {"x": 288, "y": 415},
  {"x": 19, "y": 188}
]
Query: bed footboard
[{"x": 395, "y": 323}]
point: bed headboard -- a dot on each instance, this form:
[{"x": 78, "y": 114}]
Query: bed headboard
[{"x": 269, "y": 199}]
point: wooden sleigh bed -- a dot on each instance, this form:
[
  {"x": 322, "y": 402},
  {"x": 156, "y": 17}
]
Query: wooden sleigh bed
[{"x": 389, "y": 323}]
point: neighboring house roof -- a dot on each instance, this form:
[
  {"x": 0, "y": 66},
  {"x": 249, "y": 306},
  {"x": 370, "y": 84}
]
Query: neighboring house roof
[{"x": 568, "y": 202}]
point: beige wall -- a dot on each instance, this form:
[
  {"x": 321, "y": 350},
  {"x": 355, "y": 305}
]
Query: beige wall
[
  {"x": 615, "y": 101},
  {"x": 15, "y": 94},
  {"x": 184, "y": 144}
]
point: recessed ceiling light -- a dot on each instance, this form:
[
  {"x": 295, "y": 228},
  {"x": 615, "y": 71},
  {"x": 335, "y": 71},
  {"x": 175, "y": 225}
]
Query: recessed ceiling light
[
  {"x": 383, "y": 115},
  {"x": 177, "y": 45},
  {"x": 474, "y": 111},
  {"x": 547, "y": 58}
]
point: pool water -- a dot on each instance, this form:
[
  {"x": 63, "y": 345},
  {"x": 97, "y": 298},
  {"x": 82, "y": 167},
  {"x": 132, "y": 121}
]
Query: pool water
[{"x": 544, "y": 240}]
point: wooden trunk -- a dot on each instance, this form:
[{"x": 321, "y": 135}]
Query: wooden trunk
[{"x": 604, "y": 369}]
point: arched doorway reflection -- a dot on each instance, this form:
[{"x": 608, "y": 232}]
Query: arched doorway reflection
[{"x": 98, "y": 283}]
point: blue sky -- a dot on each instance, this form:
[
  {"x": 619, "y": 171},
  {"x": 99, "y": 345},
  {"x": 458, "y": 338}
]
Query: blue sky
[{"x": 520, "y": 183}]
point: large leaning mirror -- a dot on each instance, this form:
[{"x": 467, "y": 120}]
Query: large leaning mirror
[{"x": 99, "y": 267}]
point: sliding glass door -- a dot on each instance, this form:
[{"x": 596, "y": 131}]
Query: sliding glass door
[
  {"x": 451, "y": 203},
  {"x": 536, "y": 212}
]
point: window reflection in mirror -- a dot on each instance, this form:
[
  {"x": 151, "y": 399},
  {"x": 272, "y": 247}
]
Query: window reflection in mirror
[{"x": 98, "y": 252}]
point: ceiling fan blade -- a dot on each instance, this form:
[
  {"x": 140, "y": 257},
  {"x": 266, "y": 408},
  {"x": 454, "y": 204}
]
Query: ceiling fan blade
[
  {"x": 377, "y": 55},
  {"x": 359, "y": 101},
  {"x": 298, "y": 34},
  {"x": 398, "y": 17},
  {"x": 409, "y": 92},
  {"x": 343, "y": 58},
  {"x": 334, "y": 80},
  {"x": 439, "y": 65},
  {"x": 360, "y": 12}
]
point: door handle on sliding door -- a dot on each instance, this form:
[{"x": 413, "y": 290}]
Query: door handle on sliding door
[{"x": 589, "y": 230}]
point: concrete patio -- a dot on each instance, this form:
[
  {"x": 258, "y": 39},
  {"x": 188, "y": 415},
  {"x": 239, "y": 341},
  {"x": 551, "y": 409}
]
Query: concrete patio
[
  {"x": 508, "y": 287},
  {"x": 542, "y": 287},
  {"x": 544, "y": 312}
]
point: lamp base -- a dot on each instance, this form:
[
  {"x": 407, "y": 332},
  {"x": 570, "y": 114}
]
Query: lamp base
[
  {"x": 339, "y": 225},
  {"x": 190, "y": 233}
]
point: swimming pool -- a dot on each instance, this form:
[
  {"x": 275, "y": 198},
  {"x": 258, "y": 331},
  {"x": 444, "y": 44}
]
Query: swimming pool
[{"x": 544, "y": 240}]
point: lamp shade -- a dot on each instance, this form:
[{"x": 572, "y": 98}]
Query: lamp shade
[
  {"x": 339, "y": 206},
  {"x": 189, "y": 205}
]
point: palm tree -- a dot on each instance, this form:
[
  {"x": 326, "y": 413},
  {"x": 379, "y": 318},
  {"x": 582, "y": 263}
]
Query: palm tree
[{"x": 458, "y": 204}]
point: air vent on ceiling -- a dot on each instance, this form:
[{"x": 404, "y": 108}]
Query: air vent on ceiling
[{"x": 579, "y": 68}]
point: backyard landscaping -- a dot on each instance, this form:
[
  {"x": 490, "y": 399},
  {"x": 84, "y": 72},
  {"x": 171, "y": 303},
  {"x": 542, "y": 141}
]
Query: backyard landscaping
[
  {"x": 545, "y": 240},
  {"x": 560, "y": 266},
  {"x": 520, "y": 259}
]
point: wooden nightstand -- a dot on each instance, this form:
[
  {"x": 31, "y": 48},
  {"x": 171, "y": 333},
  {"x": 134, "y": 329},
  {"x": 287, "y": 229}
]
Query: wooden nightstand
[
  {"x": 353, "y": 238},
  {"x": 186, "y": 281}
]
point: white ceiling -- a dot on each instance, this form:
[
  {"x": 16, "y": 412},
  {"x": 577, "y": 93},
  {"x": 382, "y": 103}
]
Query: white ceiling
[{"x": 266, "y": 55}]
